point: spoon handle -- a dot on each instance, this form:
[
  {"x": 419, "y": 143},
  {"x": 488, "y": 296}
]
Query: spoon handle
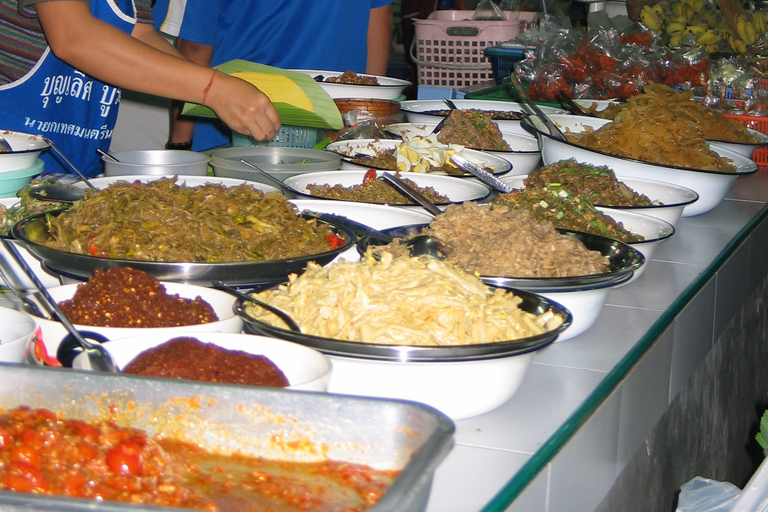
[
  {"x": 77, "y": 171},
  {"x": 554, "y": 131},
  {"x": 99, "y": 362},
  {"x": 278, "y": 312},
  {"x": 410, "y": 192},
  {"x": 481, "y": 174},
  {"x": 282, "y": 186}
]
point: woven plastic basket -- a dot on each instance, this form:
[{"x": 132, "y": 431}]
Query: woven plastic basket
[
  {"x": 760, "y": 124},
  {"x": 287, "y": 136},
  {"x": 448, "y": 47}
]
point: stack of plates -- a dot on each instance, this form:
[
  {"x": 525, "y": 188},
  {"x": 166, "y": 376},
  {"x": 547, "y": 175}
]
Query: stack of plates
[{"x": 18, "y": 167}]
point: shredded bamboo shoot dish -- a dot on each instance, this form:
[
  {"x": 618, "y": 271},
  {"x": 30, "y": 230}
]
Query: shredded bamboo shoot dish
[
  {"x": 658, "y": 132},
  {"x": 405, "y": 300}
]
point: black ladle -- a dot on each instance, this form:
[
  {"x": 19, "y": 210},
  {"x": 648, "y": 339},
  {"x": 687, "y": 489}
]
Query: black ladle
[
  {"x": 97, "y": 355},
  {"x": 292, "y": 325}
]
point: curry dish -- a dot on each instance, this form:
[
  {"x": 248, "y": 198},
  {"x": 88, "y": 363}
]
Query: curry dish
[{"x": 163, "y": 221}]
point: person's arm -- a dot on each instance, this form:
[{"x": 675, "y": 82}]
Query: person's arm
[
  {"x": 182, "y": 128},
  {"x": 143, "y": 63},
  {"x": 379, "y": 40}
]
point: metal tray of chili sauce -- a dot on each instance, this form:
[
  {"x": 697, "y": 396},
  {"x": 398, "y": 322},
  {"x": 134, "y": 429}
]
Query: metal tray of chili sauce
[
  {"x": 33, "y": 230},
  {"x": 385, "y": 434}
]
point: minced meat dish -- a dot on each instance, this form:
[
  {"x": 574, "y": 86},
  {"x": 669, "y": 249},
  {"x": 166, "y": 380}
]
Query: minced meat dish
[
  {"x": 473, "y": 129},
  {"x": 522, "y": 247},
  {"x": 599, "y": 184},
  {"x": 497, "y": 115},
  {"x": 350, "y": 77},
  {"x": 376, "y": 191}
]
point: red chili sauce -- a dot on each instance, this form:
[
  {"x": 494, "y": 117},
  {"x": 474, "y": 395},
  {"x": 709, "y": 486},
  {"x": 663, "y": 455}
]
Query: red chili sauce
[
  {"x": 126, "y": 297},
  {"x": 43, "y": 453},
  {"x": 189, "y": 358}
]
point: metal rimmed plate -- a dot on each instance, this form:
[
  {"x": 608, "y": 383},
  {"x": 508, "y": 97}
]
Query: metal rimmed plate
[
  {"x": 531, "y": 303},
  {"x": 387, "y": 89},
  {"x": 33, "y": 230},
  {"x": 624, "y": 261},
  {"x": 347, "y": 148}
]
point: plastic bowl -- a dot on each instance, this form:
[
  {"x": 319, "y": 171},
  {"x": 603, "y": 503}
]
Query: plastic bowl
[
  {"x": 13, "y": 181},
  {"x": 16, "y": 330},
  {"x": 279, "y": 162},
  {"x": 43, "y": 348},
  {"x": 156, "y": 162},
  {"x": 26, "y": 149},
  {"x": 305, "y": 368}
]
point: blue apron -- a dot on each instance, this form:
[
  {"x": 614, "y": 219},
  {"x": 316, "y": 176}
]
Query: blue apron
[{"x": 77, "y": 112}]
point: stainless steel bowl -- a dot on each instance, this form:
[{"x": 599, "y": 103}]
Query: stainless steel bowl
[
  {"x": 156, "y": 162},
  {"x": 279, "y": 162}
]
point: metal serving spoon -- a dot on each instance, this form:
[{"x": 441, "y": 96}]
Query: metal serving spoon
[
  {"x": 287, "y": 192},
  {"x": 481, "y": 174},
  {"x": 106, "y": 154},
  {"x": 70, "y": 164},
  {"x": 292, "y": 325},
  {"x": 451, "y": 105},
  {"x": 97, "y": 355},
  {"x": 56, "y": 193},
  {"x": 571, "y": 106},
  {"x": 554, "y": 131},
  {"x": 28, "y": 305}
]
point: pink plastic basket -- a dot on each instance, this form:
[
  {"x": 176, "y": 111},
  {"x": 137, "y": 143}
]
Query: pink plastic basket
[{"x": 449, "y": 47}]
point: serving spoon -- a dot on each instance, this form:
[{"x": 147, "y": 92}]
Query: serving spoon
[
  {"x": 106, "y": 154},
  {"x": 285, "y": 317},
  {"x": 97, "y": 355},
  {"x": 282, "y": 186},
  {"x": 554, "y": 131}
]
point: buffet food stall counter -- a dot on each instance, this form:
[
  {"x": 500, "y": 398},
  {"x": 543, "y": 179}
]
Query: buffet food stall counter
[{"x": 600, "y": 415}]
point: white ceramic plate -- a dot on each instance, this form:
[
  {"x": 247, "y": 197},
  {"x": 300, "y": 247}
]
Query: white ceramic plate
[
  {"x": 43, "y": 347},
  {"x": 26, "y": 148},
  {"x": 524, "y": 157},
  {"x": 673, "y": 198},
  {"x": 346, "y": 148},
  {"x": 455, "y": 189},
  {"x": 414, "y": 111},
  {"x": 711, "y": 186},
  {"x": 305, "y": 368},
  {"x": 388, "y": 88}
]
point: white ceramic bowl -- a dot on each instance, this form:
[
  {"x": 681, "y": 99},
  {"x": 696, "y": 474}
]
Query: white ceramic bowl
[
  {"x": 14, "y": 271},
  {"x": 388, "y": 88},
  {"x": 16, "y": 330},
  {"x": 43, "y": 348},
  {"x": 190, "y": 181},
  {"x": 524, "y": 157},
  {"x": 26, "y": 148},
  {"x": 711, "y": 186},
  {"x": 156, "y": 162},
  {"x": 653, "y": 230},
  {"x": 415, "y": 111},
  {"x": 673, "y": 198},
  {"x": 346, "y": 148},
  {"x": 305, "y": 368},
  {"x": 743, "y": 148},
  {"x": 455, "y": 189},
  {"x": 460, "y": 389}
]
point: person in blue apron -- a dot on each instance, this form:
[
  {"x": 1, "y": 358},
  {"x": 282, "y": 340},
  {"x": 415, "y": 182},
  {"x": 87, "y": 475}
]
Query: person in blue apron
[{"x": 71, "y": 93}]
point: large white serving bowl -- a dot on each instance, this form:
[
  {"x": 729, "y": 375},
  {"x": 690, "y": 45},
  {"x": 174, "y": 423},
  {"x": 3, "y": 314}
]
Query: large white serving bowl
[
  {"x": 711, "y": 186},
  {"x": 388, "y": 89},
  {"x": 16, "y": 330},
  {"x": 305, "y": 368},
  {"x": 417, "y": 111},
  {"x": 671, "y": 199},
  {"x": 743, "y": 148},
  {"x": 524, "y": 157},
  {"x": 14, "y": 272},
  {"x": 460, "y": 381},
  {"x": 457, "y": 190},
  {"x": 43, "y": 348},
  {"x": 492, "y": 163},
  {"x": 26, "y": 149},
  {"x": 653, "y": 230},
  {"x": 189, "y": 181}
]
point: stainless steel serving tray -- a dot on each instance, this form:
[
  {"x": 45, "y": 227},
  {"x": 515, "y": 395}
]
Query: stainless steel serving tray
[
  {"x": 624, "y": 260},
  {"x": 33, "y": 230},
  {"x": 532, "y": 303},
  {"x": 384, "y": 434}
]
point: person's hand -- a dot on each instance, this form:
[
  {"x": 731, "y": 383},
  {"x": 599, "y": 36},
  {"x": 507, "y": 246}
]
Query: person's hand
[{"x": 243, "y": 107}]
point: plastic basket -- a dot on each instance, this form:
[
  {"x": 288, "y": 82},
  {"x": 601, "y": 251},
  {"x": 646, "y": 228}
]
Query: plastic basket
[
  {"x": 450, "y": 47},
  {"x": 503, "y": 60},
  {"x": 760, "y": 124},
  {"x": 287, "y": 136}
]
